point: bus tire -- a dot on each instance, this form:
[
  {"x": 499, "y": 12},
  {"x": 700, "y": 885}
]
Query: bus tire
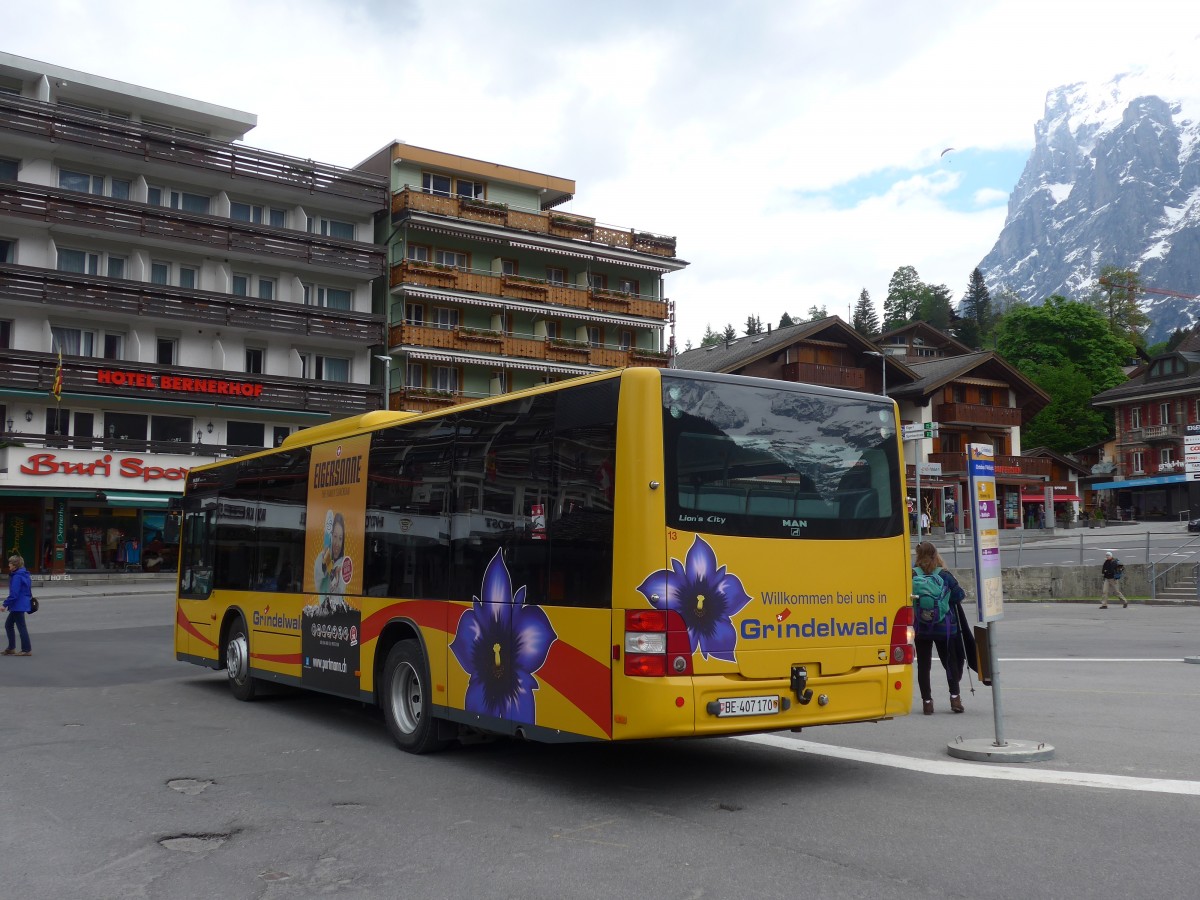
[
  {"x": 242, "y": 684},
  {"x": 406, "y": 699}
]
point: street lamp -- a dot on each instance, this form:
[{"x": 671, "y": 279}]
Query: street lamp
[
  {"x": 882, "y": 368},
  {"x": 387, "y": 380}
]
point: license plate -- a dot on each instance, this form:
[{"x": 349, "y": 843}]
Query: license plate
[{"x": 747, "y": 706}]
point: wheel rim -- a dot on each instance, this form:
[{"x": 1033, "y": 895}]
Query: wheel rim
[
  {"x": 406, "y": 700},
  {"x": 237, "y": 658}
]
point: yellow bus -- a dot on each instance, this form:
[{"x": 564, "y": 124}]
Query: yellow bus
[{"x": 637, "y": 554}]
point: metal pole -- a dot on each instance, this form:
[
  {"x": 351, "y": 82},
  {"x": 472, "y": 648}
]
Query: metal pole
[
  {"x": 920, "y": 509},
  {"x": 997, "y": 711}
]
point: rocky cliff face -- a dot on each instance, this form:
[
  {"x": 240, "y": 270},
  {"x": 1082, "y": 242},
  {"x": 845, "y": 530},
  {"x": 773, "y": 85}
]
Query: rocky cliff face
[{"x": 1113, "y": 179}]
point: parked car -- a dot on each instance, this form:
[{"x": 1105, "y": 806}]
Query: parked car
[{"x": 1194, "y": 525}]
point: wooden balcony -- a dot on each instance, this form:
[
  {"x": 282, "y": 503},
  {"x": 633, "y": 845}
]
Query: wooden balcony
[
  {"x": 562, "y": 225},
  {"x": 518, "y": 287},
  {"x": 956, "y": 464},
  {"x": 143, "y": 143},
  {"x": 61, "y": 291},
  {"x": 496, "y": 344},
  {"x": 23, "y": 370},
  {"x": 977, "y": 414},
  {"x": 115, "y": 218},
  {"x": 827, "y": 375}
]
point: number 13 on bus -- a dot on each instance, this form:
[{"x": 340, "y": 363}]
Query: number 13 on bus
[{"x": 636, "y": 554}]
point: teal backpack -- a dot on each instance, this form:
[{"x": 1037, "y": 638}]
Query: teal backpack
[{"x": 932, "y": 604}]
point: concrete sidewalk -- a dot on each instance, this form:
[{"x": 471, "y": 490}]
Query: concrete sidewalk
[{"x": 104, "y": 586}]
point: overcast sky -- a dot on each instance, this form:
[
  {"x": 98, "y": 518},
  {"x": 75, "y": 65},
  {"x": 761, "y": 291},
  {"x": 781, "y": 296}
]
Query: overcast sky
[{"x": 793, "y": 148}]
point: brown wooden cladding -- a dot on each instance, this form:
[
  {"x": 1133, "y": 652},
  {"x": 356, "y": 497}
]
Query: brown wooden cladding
[
  {"x": 23, "y": 370},
  {"x": 977, "y": 414},
  {"x": 827, "y": 375},
  {"x": 1005, "y": 465},
  {"x": 62, "y": 290},
  {"x": 56, "y": 206},
  {"x": 521, "y": 288},
  {"x": 521, "y": 347},
  {"x": 557, "y": 224},
  {"x": 148, "y": 142}
]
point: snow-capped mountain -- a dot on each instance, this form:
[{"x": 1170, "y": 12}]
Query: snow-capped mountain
[{"x": 1113, "y": 179}]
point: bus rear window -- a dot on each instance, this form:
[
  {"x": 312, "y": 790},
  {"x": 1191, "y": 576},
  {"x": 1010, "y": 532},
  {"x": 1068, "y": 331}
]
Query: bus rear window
[{"x": 768, "y": 459}]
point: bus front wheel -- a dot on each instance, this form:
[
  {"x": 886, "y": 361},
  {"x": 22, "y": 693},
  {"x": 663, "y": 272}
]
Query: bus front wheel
[
  {"x": 237, "y": 662},
  {"x": 405, "y": 698}
]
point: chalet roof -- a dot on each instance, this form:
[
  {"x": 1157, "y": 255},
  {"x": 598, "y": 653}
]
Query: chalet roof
[
  {"x": 931, "y": 336},
  {"x": 1047, "y": 453},
  {"x": 1140, "y": 384},
  {"x": 937, "y": 373},
  {"x": 738, "y": 353}
]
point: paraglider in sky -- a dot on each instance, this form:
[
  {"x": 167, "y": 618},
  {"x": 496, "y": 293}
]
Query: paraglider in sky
[{"x": 944, "y": 152}]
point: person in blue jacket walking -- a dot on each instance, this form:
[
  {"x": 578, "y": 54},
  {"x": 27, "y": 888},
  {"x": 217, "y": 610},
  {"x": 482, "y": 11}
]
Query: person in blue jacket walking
[{"x": 18, "y": 603}]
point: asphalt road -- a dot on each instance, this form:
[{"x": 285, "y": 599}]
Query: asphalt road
[{"x": 126, "y": 774}]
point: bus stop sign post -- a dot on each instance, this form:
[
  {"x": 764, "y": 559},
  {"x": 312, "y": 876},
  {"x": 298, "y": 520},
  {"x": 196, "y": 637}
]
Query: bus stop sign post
[
  {"x": 916, "y": 432},
  {"x": 989, "y": 600}
]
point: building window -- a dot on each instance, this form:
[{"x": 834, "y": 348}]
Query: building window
[
  {"x": 444, "y": 317},
  {"x": 553, "y": 330},
  {"x": 597, "y": 282},
  {"x": 450, "y": 258},
  {"x": 1165, "y": 456},
  {"x": 254, "y": 360},
  {"x": 414, "y": 375},
  {"x": 114, "y": 346},
  {"x": 266, "y": 289},
  {"x": 985, "y": 396},
  {"x": 470, "y": 189},
  {"x": 101, "y": 185},
  {"x": 445, "y": 378},
  {"x": 164, "y": 351},
  {"x": 245, "y": 434},
  {"x": 72, "y": 341},
  {"x": 1137, "y": 457},
  {"x": 328, "y": 368},
  {"x": 418, "y": 253},
  {"x": 188, "y": 277},
  {"x": 1164, "y": 413},
  {"x": 160, "y": 272},
  {"x": 445, "y": 186},
  {"x": 436, "y": 184},
  {"x": 414, "y": 314},
  {"x": 241, "y": 285},
  {"x": 626, "y": 338},
  {"x": 509, "y": 267},
  {"x": 249, "y": 212},
  {"x": 556, "y": 276},
  {"x": 330, "y": 298},
  {"x": 181, "y": 200},
  {"x": 629, "y": 286},
  {"x": 8, "y": 250},
  {"x": 5, "y": 334},
  {"x": 333, "y": 228},
  {"x": 1135, "y": 417},
  {"x": 8, "y": 169},
  {"x": 595, "y": 335}
]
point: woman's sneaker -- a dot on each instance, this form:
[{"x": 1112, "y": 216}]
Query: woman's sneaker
[
  {"x": 956, "y": 704},
  {"x": 25, "y": 653},
  {"x": 8, "y": 652}
]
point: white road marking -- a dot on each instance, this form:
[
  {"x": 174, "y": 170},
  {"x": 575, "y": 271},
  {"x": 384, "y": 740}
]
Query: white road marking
[{"x": 965, "y": 769}]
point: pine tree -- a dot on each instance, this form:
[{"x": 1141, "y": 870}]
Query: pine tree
[
  {"x": 1115, "y": 297},
  {"x": 866, "y": 320},
  {"x": 730, "y": 334},
  {"x": 711, "y": 338},
  {"x": 754, "y": 325},
  {"x": 975, "y": 312},
  {"x": 903, "y": 298},
  {"x": 786, "y": 321}
]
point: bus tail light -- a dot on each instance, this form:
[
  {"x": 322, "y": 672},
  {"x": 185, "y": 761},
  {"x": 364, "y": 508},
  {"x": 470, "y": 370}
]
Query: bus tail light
[
  {"x": 656, "y": 643},
  {"x": 902, "y": 637}
]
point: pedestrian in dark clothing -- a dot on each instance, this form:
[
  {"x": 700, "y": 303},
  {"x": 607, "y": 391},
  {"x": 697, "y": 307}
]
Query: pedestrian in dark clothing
[
  {"x": 1112, "y": 570},
  {"x": 944, "y": 634},
  {"x": 18, "y": 603}
]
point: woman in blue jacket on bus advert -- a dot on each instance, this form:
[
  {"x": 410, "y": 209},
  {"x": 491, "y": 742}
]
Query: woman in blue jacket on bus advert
[{"x": 19, "y": 602}]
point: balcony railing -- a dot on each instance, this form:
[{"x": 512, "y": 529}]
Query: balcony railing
[
  {"x": 956, "y": 463},
  {"x": 123, "y": 445},
  {"x": 144, "y": 143},
  {"x": 122, "y": 217},
  {"x": 978, "y": 414},
  {"x": 1161, "y": 433},
  {"x": 61, "y": 290},
  {"x": 545, "y": 349},
  {"x": 824, "y": 374},
  {"x": 23, "y": 370},
  {"x": 581, "y": 228},
  {"x": 520, "y": 287}
]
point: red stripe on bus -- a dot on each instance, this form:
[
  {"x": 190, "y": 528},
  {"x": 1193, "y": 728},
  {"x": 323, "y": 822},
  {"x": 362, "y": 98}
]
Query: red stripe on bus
[
  {"x": 182, "y": 621},
  {"x": 426, "y": 613},
  {"x": 582, "y": 680}
]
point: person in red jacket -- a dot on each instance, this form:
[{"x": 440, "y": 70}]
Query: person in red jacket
[{"x": 18, "y": 603}]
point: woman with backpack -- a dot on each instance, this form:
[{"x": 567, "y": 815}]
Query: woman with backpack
[{"x": 936, "y": 594}]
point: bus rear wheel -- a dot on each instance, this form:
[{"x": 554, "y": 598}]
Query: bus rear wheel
[
  {"x": 242, "y": 684},
  {"x": 406, "y": 699}
]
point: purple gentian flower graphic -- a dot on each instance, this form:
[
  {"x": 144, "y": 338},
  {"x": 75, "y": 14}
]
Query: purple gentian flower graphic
[
  {"x": 500, "y": 643},
  {"x": 707, "y": 596}
]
